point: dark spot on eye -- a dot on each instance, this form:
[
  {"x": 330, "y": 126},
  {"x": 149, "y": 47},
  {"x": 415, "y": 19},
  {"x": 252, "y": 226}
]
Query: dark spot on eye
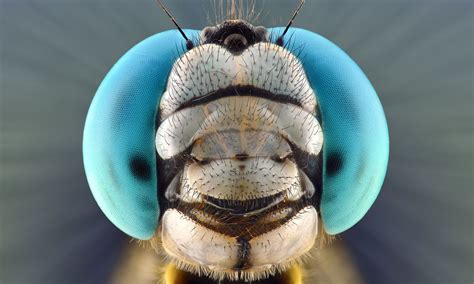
[
  {"x": 333, "y": 164},
  {"x": 140, "y": 168}
]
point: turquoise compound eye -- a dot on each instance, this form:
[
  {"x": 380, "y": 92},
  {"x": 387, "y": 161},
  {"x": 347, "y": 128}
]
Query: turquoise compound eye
[
  {"x": 356, "y": 142},
  {"x": 120, "y": 158},
  {"x": 118, "y": 145}
]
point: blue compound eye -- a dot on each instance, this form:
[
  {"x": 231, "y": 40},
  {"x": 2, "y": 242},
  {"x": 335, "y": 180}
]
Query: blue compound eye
[
  {"x": 118, "y": 144},
  {"x": 356, "y": 144},
  {"x": 120, "y": 133}
]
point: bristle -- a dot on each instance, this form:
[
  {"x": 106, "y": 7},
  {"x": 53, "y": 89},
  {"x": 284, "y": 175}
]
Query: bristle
[
  {"x": 246, "y": 275},
  {"x": 233, "y": 10},
  {"x": 324, "y": 239}
]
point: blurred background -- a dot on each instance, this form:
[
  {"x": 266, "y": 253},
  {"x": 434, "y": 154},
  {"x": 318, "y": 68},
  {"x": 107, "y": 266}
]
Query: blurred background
[{"x": 418, "y": 55}]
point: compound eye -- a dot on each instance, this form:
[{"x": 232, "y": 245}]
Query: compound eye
[{"x": 118, "y": 148}]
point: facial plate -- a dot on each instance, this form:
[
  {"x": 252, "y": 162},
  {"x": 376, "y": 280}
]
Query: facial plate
[
  {"x": 118, "y": 146},
  {"x": 207, "y": 251},
  {"x": 211, "y": 67}
]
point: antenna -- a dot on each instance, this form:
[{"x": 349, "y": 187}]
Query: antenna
[
  {"x": 279, "y": 40},
  {"x": 189, "y": 43}
]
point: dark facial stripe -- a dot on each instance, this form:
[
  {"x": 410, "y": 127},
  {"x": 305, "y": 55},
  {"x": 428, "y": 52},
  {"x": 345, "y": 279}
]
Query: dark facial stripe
[
  {"x": 233, "y": 91},
  {"x": 239, "y": 226},
  {"x": 239, "y": 207},
  {"x": 244, "y": 252}
]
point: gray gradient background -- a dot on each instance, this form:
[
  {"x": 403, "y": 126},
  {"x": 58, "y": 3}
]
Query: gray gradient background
[{"x": 417, "y": 54}]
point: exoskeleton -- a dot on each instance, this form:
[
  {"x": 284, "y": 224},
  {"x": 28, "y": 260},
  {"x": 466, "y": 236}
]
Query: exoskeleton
[{"x": 237, "y": 150}]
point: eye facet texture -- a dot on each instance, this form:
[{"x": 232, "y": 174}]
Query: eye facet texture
[
  {"x": 356, "y": 145},
  {"x": 119, "y": 135}
]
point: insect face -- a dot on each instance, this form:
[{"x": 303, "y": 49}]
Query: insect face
[
  {"x": 235, "y": 111},
  {"x": 235, "y": 150}
]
